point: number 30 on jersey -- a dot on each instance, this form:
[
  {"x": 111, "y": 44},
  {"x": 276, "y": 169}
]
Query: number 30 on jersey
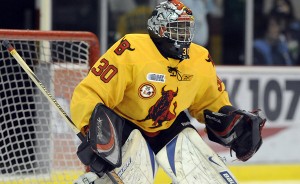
[{"x": 104, "y": 70}]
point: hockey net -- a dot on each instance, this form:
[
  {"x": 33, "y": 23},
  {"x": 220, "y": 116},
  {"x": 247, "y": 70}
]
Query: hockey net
[{"x": 36, "y": 145}]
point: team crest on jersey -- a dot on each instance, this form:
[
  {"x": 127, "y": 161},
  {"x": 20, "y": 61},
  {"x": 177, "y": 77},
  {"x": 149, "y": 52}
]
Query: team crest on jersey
[
  {"x": 163, "y": 109},
  {"x": 124, "y": 45},
  {"x": 156, "y": 77},
  {"x": 147, "y": 90}
]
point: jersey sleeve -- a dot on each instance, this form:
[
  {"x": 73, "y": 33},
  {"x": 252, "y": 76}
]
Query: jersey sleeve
[
  {"x": 212, "y": 97},
  {"x": 105, "y": 83}
]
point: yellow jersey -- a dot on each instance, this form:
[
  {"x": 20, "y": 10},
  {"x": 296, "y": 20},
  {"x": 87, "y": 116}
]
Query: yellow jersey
[{"x": 144, "y": 87}]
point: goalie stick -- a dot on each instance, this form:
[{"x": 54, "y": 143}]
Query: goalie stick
[{"x": 112, "y": 175}]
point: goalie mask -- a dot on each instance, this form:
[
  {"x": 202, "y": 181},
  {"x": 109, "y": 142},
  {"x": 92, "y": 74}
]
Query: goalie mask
[{"x": 171, "y": 27}]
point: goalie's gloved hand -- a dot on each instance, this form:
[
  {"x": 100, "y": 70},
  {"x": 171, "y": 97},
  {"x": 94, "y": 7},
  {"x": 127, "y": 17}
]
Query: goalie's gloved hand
[
  {"x": 90, "y": 158},
  {"x": 101, "y": 149},
  {"x": 238, "y": 129}
]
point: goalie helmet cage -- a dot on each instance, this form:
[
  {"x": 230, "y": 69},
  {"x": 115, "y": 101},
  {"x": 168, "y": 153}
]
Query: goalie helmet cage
[{"x": 36, "y": 145}]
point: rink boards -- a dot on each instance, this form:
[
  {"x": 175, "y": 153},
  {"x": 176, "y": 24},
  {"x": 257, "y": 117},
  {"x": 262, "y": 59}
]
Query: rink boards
[
  {"x": 253, "y": 173},
  {"x": 243, "y": 174}
]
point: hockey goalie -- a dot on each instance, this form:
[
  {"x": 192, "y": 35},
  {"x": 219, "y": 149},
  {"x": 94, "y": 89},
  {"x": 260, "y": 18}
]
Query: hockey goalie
[{"x": 131, "y": 108}]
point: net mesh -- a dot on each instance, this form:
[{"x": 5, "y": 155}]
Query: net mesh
[{"x": 36, "y": 145}]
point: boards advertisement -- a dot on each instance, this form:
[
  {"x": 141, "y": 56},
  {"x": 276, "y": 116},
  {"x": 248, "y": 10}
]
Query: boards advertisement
[{"x": 276, "y": 91}]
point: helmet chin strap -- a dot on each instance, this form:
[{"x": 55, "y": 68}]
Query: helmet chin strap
[
  {"x": 168, "y": 48},
  {"x": 176, "y": 45}
]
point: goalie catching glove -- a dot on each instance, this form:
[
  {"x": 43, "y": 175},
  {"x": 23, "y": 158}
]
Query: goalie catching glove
[{"x": 238, "y": 129}]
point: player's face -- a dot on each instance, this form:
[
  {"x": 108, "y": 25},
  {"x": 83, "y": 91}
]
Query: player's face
[{"x": 180, "y": 31}]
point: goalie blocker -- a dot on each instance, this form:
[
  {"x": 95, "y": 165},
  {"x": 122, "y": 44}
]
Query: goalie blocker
[
  {"x": 101, "y": 150},
  {"x": 238, "y": 129}
]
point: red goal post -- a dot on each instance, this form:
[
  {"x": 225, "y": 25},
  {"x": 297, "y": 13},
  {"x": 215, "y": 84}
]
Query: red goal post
[
  {"x": 36, "y": 35},
  {"x": 36, "y": 146}
]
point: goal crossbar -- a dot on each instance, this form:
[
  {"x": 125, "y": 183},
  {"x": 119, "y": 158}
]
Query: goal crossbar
[{"x": 36, "y": 35}]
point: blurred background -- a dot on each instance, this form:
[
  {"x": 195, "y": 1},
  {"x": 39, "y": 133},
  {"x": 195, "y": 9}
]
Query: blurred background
[
  {"x": 255, "y": 44},
  {"x": 236, "y": 32}
]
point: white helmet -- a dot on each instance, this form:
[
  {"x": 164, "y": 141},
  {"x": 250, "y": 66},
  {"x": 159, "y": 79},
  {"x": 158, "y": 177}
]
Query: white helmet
[{"x": 171, "y": 27}]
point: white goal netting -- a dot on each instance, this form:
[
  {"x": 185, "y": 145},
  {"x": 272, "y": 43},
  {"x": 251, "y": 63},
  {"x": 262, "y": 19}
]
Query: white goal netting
[{"x": 36, "y": 145}]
